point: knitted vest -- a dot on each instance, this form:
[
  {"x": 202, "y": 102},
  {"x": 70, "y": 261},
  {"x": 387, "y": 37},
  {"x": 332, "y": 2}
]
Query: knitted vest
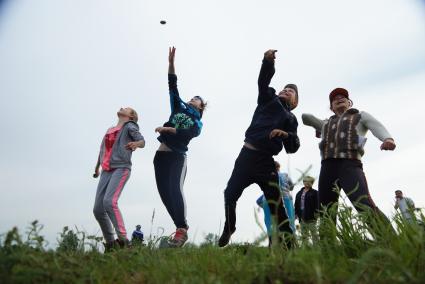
[{"x": 340, "y": 138}]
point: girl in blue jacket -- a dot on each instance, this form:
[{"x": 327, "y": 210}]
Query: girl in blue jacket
[{"x": 183, "y": 124}]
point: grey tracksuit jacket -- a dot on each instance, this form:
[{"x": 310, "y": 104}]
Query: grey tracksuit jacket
[{"x": 121, "y": 157}]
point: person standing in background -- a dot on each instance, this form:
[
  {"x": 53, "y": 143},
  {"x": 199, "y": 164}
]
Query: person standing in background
[
  {"x": 307, "y": 210},
  {"x": 137, "y": 236},
  {"x": 286, "y": 186},
  {"x": 405, "y": 205}
]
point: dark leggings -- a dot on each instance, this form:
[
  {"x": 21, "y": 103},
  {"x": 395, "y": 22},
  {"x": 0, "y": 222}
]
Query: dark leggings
[
  {"x": 170, "y": 173},
  {"x": 346, "y": 174},
  {"x": 254, "y": 167}
]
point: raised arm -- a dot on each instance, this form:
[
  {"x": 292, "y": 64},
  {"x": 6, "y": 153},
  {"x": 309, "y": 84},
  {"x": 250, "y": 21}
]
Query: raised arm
[
  {"x": 266, "y": 74},
  {"x": 171, "y": 55},
  {"x": 172, "y": 80},
  {"x": 378, "y": 130}
]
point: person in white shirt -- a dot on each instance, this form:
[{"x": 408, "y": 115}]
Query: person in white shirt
[
  {"x": 342, "y": 146},
  {"x": 405, "y": 205}
]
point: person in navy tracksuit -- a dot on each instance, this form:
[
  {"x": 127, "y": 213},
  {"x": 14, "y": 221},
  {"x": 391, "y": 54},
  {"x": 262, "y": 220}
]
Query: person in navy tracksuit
[
  {"x": 183, "y": 124},
  {"x": 273, "y": 127}
]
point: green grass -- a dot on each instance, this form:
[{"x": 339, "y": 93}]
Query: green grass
[{"x": 348, "y": 255}]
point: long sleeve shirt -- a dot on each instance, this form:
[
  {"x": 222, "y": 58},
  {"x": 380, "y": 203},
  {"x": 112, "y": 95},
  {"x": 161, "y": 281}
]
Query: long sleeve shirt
[
  {"x": 271, "y": 113},
  {"x": 365, "y": 123},
  {"x": 184, "y": 118}
]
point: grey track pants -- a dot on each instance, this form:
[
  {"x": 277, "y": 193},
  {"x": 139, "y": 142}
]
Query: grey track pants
[{"x": 106, "y": 210}]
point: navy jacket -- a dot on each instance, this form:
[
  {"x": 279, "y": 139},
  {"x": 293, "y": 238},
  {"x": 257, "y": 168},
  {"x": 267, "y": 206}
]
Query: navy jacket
[
  {"x": 311, "y": 205},
  {"x": 271, "y": 113},
  {"x": 185, "y": 118}
]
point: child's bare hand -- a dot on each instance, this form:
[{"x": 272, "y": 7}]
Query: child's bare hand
[
  {"x": 388, "y": 145},
  {"x": 278, "y": 133},
  {"x": 161, "y": 130},
  {"x": 96, "y": 173},
  {"x": 171, "y": 55},
  {"x": 270, "y": 54},
  {"x": 132, "y": 145}
]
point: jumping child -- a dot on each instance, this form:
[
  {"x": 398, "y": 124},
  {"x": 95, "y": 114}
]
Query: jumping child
[
  {"x": 273, "y": 127},
  {"x": 183, "y": 124}
]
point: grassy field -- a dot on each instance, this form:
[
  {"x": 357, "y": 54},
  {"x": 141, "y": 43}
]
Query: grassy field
[{"x": 348, "y": 255}]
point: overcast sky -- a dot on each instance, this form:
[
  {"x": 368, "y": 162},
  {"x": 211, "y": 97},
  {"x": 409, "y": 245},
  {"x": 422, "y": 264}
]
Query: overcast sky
[{"x": 67, "y": 66}]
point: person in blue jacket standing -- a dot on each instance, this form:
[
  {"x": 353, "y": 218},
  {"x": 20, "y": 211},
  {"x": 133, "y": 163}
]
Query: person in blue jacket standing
[
  {"x": 273, "y": 127},
  {"x": 286, "y": 185},
  {"x": 137, "y": 236},
  {"x": 170, "y": 165}
]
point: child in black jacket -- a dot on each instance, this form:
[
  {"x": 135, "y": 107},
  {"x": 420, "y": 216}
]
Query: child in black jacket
[{"x": 273, "y": 127}]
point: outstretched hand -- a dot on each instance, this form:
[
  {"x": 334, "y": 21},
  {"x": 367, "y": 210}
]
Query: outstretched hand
[
  {"x": 270, "y": 54},
  {"x": 162, "y": 130},
  {"x": 388, "y": 144},
  {"x": 171, "y": 54},
  {"x": 278, "y": 133},
  {"x": 133, "y": 145}
]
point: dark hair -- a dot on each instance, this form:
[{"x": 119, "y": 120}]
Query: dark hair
[
  {"x": 203, "y": 105},
  {"x": 295, "y": 88}
]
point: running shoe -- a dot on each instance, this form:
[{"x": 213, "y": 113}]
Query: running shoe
[
  {"x": 225, "y": 237},
  {"x": 180, "y": 237}
]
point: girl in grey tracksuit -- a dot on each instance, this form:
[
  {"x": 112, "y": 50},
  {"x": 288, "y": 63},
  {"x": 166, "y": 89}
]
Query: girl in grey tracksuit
[{"x": 115, "y": 158}]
